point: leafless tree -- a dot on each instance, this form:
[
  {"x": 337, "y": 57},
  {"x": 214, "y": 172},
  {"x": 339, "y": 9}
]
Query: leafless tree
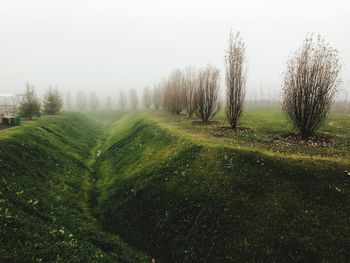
[
  {"x": 122, "y": 100},
  {"x": 108, "y": 103},
  {"x": 207, "y": 100},
  {"x": 81, "y": 100},
  {"x": 147, "y": 98},
  {"x": 68, "y": 101},
  {"x": 190, "y": 82},
  {"x": 310, "y": 82},
  {"x": 157, "y": 96},
  {"x": 94, "y": 101},
  {"x": 173, "y": 94},
  {"x": 134, "y": 100},
  {"x": 235, "y": 61}
]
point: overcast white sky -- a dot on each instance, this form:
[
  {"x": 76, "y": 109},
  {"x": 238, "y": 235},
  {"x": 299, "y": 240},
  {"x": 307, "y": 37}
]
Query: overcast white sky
[{"x": 107, "y": 45}]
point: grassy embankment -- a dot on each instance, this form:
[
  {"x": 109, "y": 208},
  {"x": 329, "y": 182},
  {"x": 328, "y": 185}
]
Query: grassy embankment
[
  {"x": 186, "y": 192},
  {"x": 44, "y": 214}
]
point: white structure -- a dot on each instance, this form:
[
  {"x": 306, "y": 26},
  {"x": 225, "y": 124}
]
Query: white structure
[{"x": 9, "y": 104}]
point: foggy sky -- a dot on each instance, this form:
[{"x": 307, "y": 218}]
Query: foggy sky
[{"x": 105, "y": 46}]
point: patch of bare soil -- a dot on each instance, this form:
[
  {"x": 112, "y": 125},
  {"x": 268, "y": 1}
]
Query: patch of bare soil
[
  {"x": 224, "y": 131},
  {"x": 323, "y": 140},
  {"x": 203, "y": 123}
]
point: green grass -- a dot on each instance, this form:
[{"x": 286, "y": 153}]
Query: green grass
[
  {"x": 176, "y": 189},
  {"x": 265, "y": 126},
  {"x": 44, "y": 213},
  {"x": 184, "y": 194}
]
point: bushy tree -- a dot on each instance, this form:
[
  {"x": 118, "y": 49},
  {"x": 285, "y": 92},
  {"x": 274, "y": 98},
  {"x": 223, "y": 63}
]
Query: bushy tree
[
  {"x": 235, "y": 78},
  {"x": 310, "y": 83},
  {"x": 207, "y": 94},
  {"x": 30, "y": 104},
  {"x": 52, "y": 101}
]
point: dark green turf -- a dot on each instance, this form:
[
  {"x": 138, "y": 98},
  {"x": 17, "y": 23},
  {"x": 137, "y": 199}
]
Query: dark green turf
[
  {"x": 190, "y": 202},
  {"x": 173, "y": 188},
  {"x": 44, "y": 213}
]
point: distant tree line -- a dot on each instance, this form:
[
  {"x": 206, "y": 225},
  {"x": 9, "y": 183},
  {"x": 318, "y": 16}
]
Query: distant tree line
[
  {"x": 198, "y": 91},
  {"x": 310, "y": 83}
]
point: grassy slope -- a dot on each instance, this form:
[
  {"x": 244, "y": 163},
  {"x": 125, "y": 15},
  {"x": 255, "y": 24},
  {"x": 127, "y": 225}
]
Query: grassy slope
[
  {"x": 44, "y": 215},
  {"x": 185, "y": 195},
  {"x": 265, "y": 125}
]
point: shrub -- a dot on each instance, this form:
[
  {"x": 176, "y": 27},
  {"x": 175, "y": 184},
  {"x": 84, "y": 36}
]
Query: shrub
[
  {"x": 310, "y": 84},
  {"x": 235, "y": 79},
  {"x": 30, "y": 105},
  {"x": 52, "y": 101},
  {"x": 207, "y": 101}
]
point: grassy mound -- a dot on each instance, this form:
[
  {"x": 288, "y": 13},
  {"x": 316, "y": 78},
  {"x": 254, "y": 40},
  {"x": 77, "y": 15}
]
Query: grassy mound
[
  {"x": 190, "y": 202},
  {"x": 44, "y": 182}
]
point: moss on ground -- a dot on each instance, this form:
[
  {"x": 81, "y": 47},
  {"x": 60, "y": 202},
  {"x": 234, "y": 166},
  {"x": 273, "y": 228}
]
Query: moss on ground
[
  {"x": 44, "y": 213},
  {"x": 178, "y": 190},
  {"x": 185, "y": 199}
]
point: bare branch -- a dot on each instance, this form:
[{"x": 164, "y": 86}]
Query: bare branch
[
  {"x": 235, "y": 78},
  {"x": 310, "y": 83}
]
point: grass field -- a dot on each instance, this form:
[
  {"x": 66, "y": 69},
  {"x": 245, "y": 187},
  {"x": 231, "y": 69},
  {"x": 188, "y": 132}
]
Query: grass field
[
  {"x": 184, "y": 193},
  {"x": 177, "y": 189},
  {"x": 266, "y": 130},
  {"x": 45, "y": 177}
]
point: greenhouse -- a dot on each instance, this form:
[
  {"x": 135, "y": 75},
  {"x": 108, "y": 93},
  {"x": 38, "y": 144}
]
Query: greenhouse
[{"x": 9, "y": 107}]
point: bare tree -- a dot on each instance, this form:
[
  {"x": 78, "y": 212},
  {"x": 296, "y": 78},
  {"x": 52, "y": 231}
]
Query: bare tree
[
  {"x": 122, "y": 100},
  {"x": 81, "y": 100},
  {"x": 191, "y": 82},
  {"x": 207, "y": 93},
  {"x": 68, "y": 101},
  {"x": 310, "y": 83},
  {"x": 146, "y": 98},
  {"x": 134, "y": 100},
  {"x": 108, "y": 102},
  {"x": 235, "y": 78},
  {"x": 173, "y": 94},
  {"x": 157, "y": 96},
  {"x": 94, "y": 101}
]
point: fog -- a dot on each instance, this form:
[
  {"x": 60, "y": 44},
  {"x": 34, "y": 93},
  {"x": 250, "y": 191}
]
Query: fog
[{"x": 105, "y": 46}]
